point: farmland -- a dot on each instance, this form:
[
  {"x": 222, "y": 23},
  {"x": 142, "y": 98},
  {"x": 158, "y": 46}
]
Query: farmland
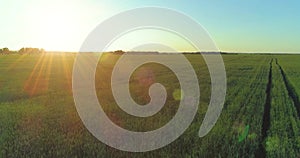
[{"x": 260, "y": 118}]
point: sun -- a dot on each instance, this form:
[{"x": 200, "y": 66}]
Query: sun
[
  {"x": 58, "y": 25},
  {"x": 52, "y": 27}
]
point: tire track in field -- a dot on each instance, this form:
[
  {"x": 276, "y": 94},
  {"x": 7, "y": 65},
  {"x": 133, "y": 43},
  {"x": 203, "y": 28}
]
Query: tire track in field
[
  {"x": 266, "y": 117},
  {"x": 291, "y": 90}
]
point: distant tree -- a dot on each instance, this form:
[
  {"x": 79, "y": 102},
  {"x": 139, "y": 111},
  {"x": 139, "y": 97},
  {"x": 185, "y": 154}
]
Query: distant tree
[
  {"x": 22, "y": 51},
  {"x": 31, "y": 50},
  {"x": 119, "y": 52},
  {"x": 5, "y": 50}
]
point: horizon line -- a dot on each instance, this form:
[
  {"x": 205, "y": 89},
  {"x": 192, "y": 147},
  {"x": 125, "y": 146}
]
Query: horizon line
[{"x": 144, "y": 51}]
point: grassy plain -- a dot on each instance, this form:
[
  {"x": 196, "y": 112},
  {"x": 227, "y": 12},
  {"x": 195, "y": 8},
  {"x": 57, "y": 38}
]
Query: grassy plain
[{"x": 38, "y": 116}]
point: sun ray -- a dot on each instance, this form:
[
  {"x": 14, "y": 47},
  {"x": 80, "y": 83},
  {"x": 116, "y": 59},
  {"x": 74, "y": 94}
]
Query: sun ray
[
  {"x": 39, "y": 79},
  {"x": 67, "y": 71},
  {"x": 27, "y": 85},
  {"x": 48, "y": 73}
]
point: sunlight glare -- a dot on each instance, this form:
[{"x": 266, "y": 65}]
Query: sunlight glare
[{"x": 60, "y": 25}]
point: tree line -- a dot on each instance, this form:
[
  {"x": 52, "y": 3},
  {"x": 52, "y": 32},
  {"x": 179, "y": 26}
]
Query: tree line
[{"x": 22, "y": 51}]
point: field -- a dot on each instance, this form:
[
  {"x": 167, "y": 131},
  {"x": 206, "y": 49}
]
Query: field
[{"x": 260, "y": 118}]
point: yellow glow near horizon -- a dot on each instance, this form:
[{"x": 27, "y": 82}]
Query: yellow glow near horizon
[{"x": 137, "y": 38}]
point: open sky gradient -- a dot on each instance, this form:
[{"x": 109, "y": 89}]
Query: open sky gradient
[{"x": 235, "y": 25}]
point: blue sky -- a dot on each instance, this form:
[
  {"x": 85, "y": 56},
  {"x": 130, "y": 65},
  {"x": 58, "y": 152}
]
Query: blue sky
[{"x": 235, "y": 25}]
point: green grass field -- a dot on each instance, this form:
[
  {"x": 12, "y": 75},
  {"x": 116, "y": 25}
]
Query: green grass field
[{"x": 260, "y": 118}]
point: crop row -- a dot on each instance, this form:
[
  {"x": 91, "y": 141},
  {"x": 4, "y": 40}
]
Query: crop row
[
  {"x": 238, "y": 131},
  {"x": 283, "y": 138}
]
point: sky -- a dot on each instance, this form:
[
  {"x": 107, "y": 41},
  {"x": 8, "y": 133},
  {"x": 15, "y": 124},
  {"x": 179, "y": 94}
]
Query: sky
[{"x": 234, "y": 25}]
